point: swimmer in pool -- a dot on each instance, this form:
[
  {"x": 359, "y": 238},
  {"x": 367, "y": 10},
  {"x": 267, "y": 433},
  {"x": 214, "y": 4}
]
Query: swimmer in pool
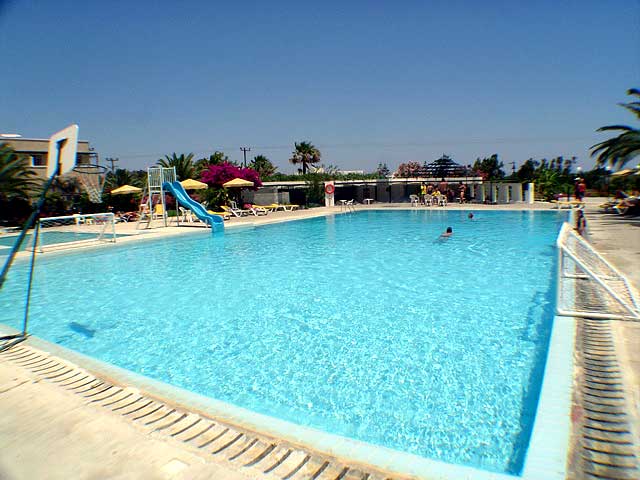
[{"x": 448, "y": 233}]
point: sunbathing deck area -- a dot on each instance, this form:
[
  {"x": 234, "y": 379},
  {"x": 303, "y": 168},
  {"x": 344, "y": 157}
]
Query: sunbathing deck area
[{"x": 97, "y": 426}]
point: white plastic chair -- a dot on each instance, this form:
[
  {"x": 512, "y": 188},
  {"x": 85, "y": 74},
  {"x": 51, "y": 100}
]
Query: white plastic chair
[
  {"x": 428, "y": 200},
  {"x": 186, "y": 215},
  {"x": 415, "y": 200}
]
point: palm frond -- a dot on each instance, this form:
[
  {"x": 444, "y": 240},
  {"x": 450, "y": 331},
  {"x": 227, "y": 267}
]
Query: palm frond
[{"x": 614, "y": 127}]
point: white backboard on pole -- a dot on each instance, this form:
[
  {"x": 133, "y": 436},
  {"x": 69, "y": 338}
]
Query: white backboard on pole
[{"x": 67, "y": 141}]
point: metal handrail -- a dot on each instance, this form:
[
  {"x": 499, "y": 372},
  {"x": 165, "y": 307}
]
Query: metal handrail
[{"x": 567, "y": 232}]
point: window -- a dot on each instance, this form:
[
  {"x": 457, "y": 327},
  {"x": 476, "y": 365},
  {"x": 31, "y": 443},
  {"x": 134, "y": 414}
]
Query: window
[
  {"x": 82, "y": 159},
  {"x": 38, "y": 160}
]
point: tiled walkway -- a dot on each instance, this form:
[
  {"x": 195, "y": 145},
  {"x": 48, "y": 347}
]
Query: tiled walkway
[{"x": 607, "y": 390}]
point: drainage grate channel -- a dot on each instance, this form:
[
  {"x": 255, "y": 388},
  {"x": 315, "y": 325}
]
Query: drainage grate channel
[
  {"x": 256, "y": 455},
  {"x": 608, "y": 449}
]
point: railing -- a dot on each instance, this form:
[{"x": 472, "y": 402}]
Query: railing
[{"x": 588, "y": 285}]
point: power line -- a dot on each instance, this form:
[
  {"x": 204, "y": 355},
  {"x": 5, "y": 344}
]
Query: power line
[
  {"x": 244, "y": 152},
  {"x": 112, "y": 161},
  {"x": 417, "y": 144}
]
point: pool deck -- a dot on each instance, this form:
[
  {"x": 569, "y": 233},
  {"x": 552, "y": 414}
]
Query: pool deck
[
  {"x": 605, "y": 442},
  {"x": 42, "y": 421},
  {"x": 617, "y": 239}
]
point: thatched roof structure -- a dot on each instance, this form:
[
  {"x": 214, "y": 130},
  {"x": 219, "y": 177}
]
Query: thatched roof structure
[{"x": 443, "y": 167}]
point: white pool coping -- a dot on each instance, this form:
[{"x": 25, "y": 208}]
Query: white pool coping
[
  {"x": 549, "y": 444},
  {"x": 546, "y": 456}
]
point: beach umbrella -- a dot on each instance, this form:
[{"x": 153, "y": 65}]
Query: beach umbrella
[
  {"x": 623, "y": 173},
  {"x": 238, "y": 183},
  {"x": 192, "y": 184},
  {"x": 125, "y": 189}
]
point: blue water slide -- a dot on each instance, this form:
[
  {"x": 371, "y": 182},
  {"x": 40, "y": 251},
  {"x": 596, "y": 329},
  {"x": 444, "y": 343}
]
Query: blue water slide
[{"x": 216, "y": 222}]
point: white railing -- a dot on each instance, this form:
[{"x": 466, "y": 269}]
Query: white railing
[
  {"x": 73, "y": 230},
  {"x": 588, "y": 285}
]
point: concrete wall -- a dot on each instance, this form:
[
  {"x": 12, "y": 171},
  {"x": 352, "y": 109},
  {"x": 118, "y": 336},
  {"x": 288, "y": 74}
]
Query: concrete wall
[
  {"x": 265, "y": 196},
  {"x": 39, "y": 148},
  {"x": 385, "y": 192}
]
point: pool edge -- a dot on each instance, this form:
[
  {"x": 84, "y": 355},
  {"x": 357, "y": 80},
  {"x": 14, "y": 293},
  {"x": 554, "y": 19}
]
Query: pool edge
[
  {"x": 546, "y": 454},
  {"x": 548, "y": 449},
  {"x": 342, "y": 448}
]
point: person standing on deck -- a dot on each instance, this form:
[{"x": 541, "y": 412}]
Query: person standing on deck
[{"x": 581, "y": 222}]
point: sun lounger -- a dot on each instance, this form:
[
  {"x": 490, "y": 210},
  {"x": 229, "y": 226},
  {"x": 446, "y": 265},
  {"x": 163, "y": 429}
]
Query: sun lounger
[
  {"x": 257, "y": 210},
  {"x": 236, "y": 212},
  {"x": 127, "y": 217},
  {"x": 158, "y": 211},
  {"x": 224, "y": 215},
  {"x": 274, "y": 207},
  {"x": 558, "y": 204},
  {"x": 629, "y": 205},
  {"x": 269, "y": 208}
]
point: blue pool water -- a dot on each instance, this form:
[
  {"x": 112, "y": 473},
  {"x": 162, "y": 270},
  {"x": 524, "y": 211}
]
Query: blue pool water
[{"x": 361, "y": 325}]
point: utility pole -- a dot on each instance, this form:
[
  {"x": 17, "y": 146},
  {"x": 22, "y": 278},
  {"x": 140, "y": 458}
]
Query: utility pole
[
  {"x": 244, "y": 152},
  {"x": 113, "y": 162}
]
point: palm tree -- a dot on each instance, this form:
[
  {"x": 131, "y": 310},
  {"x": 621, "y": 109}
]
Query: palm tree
[
  {"x": 305, "y": 153},
  {"x": 122, "y": 177},
  {"x": 263, "y": 166},
  {"x": 183, "y": 164},
  {"x": 203, "y": 164},
  {"x": 619, "y": 150},
  {"x": 17, "y": 180}
]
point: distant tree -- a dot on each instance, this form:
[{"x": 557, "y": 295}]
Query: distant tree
[
  {"x": 566, "y": 164},
  {"x": 67, "y": 186},
  {"x": 326, "y": 169},
  {"x": 17, "y": 179},
  {"x": 122, "y": 177},
  {"x": 382, "y": 171},
  {"x": 549, "y": 183},
  {"x": 409, "y": 169},
  {"x": 490, "y": 167},
  {"x": 216, "y": 158},
  {"x": 526, "y": 172},
  {"x": 305, "y": 154},
  {"x": 263, "y": 166},
  {"x": 551, "y": 177},
  {"x": 182, "y": 162},
  {"x": 621, "y": 149}
]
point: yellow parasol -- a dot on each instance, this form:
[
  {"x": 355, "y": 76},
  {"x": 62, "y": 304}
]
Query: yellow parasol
[
  {"x": 191, "y": 184},
  {"x": 622, "y": 173},
  {"x": 125, "y": 189},
  {"x": 238, "y": 182}
]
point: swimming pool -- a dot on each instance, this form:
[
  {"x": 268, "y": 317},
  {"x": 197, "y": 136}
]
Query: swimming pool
[{"x": 360, "y": 325}]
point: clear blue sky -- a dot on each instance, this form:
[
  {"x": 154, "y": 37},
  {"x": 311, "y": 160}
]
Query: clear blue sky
[{"x": 365, "y": 81}]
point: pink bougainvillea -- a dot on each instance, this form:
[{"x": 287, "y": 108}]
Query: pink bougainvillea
[
  {"x": 217, "y": 175},
  {"x": 410, "y": 169}
]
